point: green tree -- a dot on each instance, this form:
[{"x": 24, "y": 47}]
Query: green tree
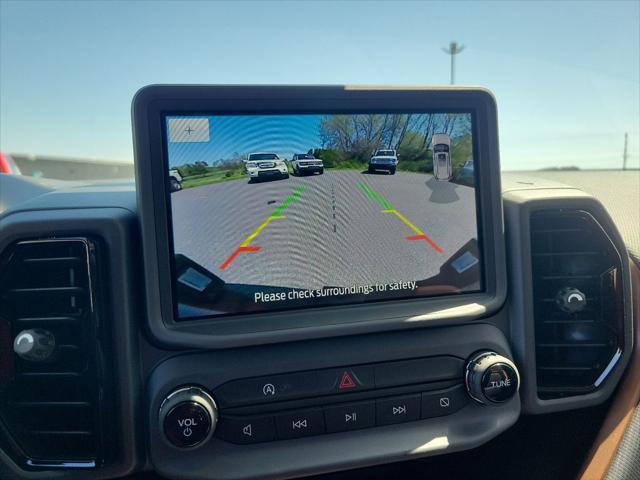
[
  {"x": 190, "y": 169},
  {"x": 461, "y": 150}
]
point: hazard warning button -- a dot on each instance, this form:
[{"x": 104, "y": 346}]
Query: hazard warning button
[
  {"x": 346, "y": 381},
  {"x": 343, "y": 380}
]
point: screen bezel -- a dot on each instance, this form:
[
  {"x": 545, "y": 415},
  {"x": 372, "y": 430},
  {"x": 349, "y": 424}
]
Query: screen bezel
[{"x": 150, "y": 108}]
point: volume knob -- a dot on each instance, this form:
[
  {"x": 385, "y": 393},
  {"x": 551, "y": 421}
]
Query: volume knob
[
  {"x": 491, "y": 378},
  {"x": 188, "y": 417}
]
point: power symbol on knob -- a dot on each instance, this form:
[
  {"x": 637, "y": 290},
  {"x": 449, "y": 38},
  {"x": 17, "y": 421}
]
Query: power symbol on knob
[{"x": 188, "y": 417}]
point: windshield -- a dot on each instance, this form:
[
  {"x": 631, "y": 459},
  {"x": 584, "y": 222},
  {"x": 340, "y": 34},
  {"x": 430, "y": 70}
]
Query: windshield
[
  {"x": 385, "y": 153},
  {"x": 567, "y": 99},
  {"x": 262, "y": 156},
  {"x": 306, "y": 157}
]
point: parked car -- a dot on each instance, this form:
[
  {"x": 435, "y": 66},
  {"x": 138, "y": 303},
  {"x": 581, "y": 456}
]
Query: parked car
[
  {"x": 265, "y": 165},
  {"x": 8, "y": 165},
  {"x": 384, "y": 160},
  {"x": 175, "y": 180},
  {"x": 304, "y": 163},
  {"x": 442, "y": 169}
]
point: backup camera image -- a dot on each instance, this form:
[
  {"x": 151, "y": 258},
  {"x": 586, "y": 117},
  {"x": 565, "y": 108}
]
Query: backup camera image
[{"x": 272, "y": 212}]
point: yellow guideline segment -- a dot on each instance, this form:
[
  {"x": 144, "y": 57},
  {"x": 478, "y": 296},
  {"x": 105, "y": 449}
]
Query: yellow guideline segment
[
  {"x": 420, "y": 235},
  {"x": 255, "y": 233},
  {"x": 246, "y": 246},
  {"x": 405, "y": 221}
]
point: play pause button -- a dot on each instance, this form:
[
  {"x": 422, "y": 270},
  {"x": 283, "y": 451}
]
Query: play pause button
[{"x": 350, "y": 417}]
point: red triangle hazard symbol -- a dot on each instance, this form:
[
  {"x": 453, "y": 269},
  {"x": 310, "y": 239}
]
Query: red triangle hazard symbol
[{"x": 346, "y": 381}]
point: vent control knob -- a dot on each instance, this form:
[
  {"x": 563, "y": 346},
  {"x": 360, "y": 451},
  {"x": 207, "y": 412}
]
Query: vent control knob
[
  {"x": 188, "y": 417},
  {"x": 491, "y": 378},
  {"x": 571, "y": 300},
  {"x": 34, "y": 345}
]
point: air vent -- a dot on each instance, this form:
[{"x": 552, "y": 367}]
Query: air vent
[
  {"x": 50, "y": 407},
  {"x": 578, "y": 302}
]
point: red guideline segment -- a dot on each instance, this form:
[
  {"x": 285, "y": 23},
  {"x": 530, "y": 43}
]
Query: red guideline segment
[
  {"x": 235, "y": 253},
  {"x": 427, "y": 239}
]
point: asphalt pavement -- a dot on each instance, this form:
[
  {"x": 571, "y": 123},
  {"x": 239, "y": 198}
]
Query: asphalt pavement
[{"x": 341, "y": 228}]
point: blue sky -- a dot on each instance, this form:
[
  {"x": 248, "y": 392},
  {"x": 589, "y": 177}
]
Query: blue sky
[
  {"x": 566, "y": 75},
  {"x": 240, "y": 135},
  {"x": 230, "y": 136}
]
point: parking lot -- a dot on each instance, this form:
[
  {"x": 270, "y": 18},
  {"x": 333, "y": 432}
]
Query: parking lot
[{"x": 341, "y": 228}]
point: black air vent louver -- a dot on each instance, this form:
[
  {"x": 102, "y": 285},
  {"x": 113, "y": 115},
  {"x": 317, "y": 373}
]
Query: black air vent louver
[
  {"x": 575, "y": 350},
  {"x": 51, "y": 408}
]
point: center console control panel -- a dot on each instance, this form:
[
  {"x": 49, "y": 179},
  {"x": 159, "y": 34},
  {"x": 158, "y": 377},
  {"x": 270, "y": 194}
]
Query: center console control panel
[
  {"x": 338, "y": 399},
  {"x": 245, "y": 412},
  {"x": 315, "y": 402}
]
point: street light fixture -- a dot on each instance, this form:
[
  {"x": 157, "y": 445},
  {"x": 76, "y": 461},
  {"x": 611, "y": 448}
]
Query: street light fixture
[{"x": 453, "y": 50}]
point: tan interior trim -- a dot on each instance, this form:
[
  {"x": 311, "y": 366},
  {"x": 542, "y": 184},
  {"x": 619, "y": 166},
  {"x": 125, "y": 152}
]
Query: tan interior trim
[{"x": 624, "y": 404}]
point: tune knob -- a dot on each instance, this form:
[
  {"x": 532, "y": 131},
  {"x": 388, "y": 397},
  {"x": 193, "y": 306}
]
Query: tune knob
[
  {"x": 34, "y": 345},
  {"x": 188, "y": 417},
  {"x": 491, "y": 378}
]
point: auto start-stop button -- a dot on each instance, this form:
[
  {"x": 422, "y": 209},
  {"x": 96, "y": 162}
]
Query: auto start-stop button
[
  {"x": 187, "y": 424},
  {"x": 499, "y": 382}
]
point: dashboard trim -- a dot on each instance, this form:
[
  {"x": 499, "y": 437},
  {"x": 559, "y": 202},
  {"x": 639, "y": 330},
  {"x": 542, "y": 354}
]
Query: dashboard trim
[{"x": 619, "y": 416}]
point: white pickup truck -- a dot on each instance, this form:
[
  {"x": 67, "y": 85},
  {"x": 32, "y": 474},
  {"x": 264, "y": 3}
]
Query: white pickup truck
[
  {"x": 386, "y": 159},
  {"x": 265, "y": 165}
]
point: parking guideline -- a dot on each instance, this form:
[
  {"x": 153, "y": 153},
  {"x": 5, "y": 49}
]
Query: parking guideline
[
  {"x": 296, "y": 193},
  {"x": 387, "y": 208},
  {"x": 255, "y": 233},
  {"x": 276, "y": 215},
  {"x": 373, "y": 195}
]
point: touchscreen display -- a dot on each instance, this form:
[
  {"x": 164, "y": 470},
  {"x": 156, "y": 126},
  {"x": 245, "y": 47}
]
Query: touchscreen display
[{"x": 276, "y": 212}]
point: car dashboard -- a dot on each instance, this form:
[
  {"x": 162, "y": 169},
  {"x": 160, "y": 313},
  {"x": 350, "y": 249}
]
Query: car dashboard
[{"x": 126, "y": 390}]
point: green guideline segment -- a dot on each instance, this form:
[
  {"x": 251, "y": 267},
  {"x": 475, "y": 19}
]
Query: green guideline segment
[
  {"x": 246, "y": 246},
  {"x": 296, "y": 193},
  {"x": 374, "y": 196}
]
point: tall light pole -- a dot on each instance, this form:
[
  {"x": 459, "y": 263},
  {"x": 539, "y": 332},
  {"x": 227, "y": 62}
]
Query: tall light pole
[
  {"x": 624, "y": 153},
  {"x": 453, "y": 50}
]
